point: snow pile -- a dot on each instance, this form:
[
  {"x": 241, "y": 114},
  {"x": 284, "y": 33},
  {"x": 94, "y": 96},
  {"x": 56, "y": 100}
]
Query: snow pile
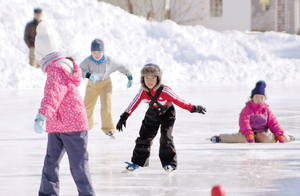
[{"x": 185, "y": 54}]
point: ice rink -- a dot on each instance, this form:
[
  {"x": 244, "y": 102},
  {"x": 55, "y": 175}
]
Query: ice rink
[{"x": 243, "y": 169}]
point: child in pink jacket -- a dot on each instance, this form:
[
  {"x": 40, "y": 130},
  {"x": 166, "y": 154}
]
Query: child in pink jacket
[
  {"x": 63, "y": 111},
  {"x": 255, "y": 120}
]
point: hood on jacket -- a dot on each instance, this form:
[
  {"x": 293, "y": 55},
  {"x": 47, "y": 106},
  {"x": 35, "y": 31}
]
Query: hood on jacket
[
  {"x": 49, "y": 58},
  {"x": 70, "y": 69},
  {"x": 67, "y": 64}
]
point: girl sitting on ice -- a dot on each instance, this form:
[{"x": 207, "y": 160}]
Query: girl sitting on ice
[
  {"x": 255, "y": 120},
  {"x": 161, "y": 112}
]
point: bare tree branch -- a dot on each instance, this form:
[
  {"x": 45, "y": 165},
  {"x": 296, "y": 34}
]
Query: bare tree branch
[
  {"x": 185, "y": 12},
  {"x": 181, "y": 11}
]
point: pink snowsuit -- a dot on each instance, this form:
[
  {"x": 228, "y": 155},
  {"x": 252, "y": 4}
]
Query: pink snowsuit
[
  {"x": 62, "y": 103},
  {"x": 258, "y": 118}
]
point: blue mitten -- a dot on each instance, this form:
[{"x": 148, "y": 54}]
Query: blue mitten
[
  {"x": 39, "y": 125},
  {"x": 129, "y": 84},
  {"x": 94, "y": 78}
]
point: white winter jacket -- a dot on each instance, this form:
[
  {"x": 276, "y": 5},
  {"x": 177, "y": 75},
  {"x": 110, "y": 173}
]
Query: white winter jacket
[{"x": 104, "y": 69}]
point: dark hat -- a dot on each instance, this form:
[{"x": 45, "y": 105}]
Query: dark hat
[
  {"x": 97, "y": 45},
  {"x": 151, "y": 69},
  {"x": 37, "y": 10},
  {"x": 259, "y": 88}
]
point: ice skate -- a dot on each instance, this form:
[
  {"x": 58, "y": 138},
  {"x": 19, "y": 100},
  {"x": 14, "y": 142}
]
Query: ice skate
[
  {"x": 131, "y": 166},
  {"x": 111, "y": 134},
  {"x": 215, "y": 139},
  {"x": 292, "y": 138},
  {"x": 169, "y": 168}
]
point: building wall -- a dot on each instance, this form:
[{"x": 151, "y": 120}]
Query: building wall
[
  {"x": 297, "y": 16},
  {"x": 290, "y": 17},
  {"x": 264, "y": 16},
  {"x": 236, "y": 15},
  {"x": 279, "y": 16},
  {"x": 251, "y": 15}
]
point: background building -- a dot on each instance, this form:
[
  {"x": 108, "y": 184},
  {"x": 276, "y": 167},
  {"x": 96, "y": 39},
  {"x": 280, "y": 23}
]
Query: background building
[
  {"x": 275, "y": 15},
  {"x": 221, "y": 15}
]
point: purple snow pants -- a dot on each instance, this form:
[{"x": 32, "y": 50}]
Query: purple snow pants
[{"x": 75, "y": 145}]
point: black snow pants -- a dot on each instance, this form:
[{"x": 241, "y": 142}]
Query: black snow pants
[{"x": 155, "y": 117}]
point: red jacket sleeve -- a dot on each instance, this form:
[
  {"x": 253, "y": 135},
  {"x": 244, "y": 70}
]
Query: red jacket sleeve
[
  {"x": 172, "y": 97},
  {"x": 135, "y": 102}
]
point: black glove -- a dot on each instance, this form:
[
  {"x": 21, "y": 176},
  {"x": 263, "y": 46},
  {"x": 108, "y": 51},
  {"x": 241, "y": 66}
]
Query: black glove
[
  {"x": 122, "y": 121},
  {"x": 198, "y": 109}
]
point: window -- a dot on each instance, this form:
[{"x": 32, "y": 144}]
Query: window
[{"x": 216, "y": 8}]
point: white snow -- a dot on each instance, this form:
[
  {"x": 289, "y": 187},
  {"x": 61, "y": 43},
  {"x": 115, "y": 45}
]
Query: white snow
[
  {"x": 216, "y": 70},
  {"x": 185, "y": 53}
]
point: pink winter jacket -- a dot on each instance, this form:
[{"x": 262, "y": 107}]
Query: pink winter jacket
[
  {"x": 258, "y": 118},
  {"x": 62, "y": 103}
]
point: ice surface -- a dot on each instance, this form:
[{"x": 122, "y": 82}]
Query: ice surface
[
  {"x": 243, "y": 169},
  {"x": 217, "y": 70}
]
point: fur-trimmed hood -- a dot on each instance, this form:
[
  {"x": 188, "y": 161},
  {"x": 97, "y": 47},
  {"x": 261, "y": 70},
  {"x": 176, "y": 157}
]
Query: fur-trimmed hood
[{"x": 151, "y": 70}]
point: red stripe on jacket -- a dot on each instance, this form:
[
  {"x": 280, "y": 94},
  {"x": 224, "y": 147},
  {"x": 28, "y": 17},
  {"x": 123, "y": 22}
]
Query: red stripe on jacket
[{"x": 166, "y": 97}]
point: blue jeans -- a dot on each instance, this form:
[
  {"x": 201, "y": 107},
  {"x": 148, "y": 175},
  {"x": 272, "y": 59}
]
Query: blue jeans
[{"x": 75, "y": 145}]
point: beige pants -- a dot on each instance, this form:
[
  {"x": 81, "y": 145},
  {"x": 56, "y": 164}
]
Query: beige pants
[
  {"x": 262, "y": 137},
  {"x": 104, "y": 90},
  {"x": 32, "y": 61}
]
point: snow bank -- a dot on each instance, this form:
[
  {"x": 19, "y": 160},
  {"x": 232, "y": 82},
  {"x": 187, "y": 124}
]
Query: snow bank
[{"x": 185, "y": 54}]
